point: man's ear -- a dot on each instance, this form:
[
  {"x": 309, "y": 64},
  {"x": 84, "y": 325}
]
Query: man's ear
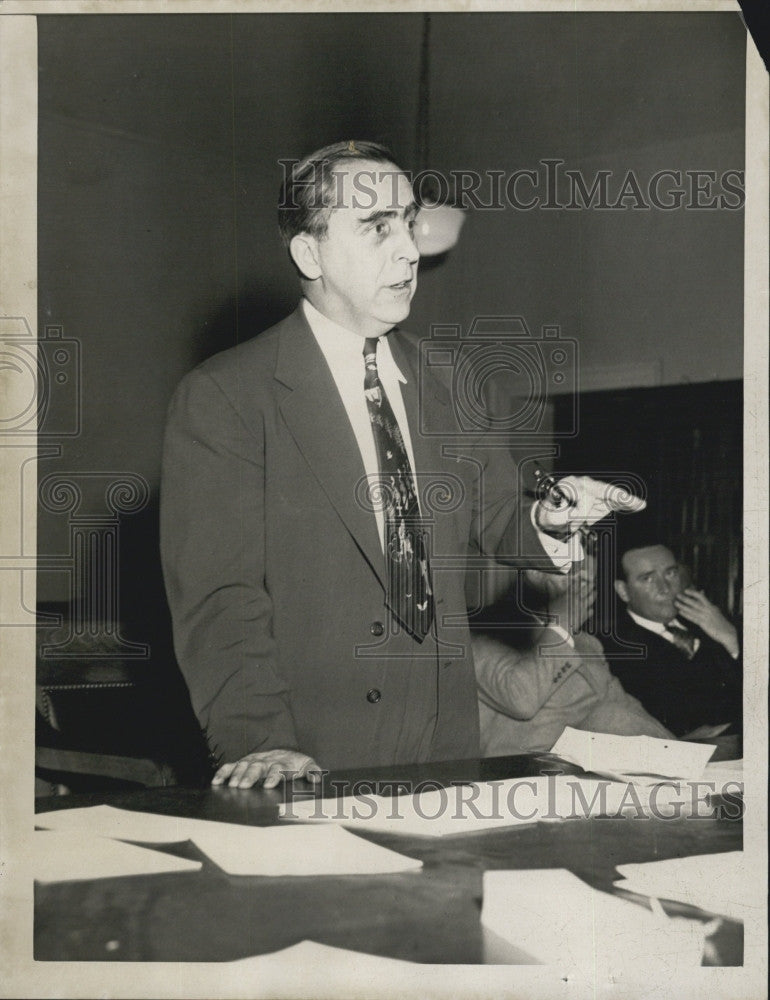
[
  {"x": 621, "y": 590},
  {"x": 304, "y": 252}
]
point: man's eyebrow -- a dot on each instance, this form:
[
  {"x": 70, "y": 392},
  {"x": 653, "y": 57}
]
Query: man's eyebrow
[{"x": 390, "y": 213}]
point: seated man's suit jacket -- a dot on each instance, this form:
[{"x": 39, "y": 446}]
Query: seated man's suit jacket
[
  {"x": 683, "y": 694},
  {"x": 528, "y": 696},
  {"x": 275, "y": 572}
]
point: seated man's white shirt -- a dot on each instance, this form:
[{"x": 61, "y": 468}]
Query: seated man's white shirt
[{"x": 660, "y": 629}]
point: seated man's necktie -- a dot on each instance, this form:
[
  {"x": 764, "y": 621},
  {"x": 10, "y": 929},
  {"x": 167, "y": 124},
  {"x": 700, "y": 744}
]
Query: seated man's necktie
[
  {"x": 410, "y": 596},
  {"x": 683, "y": 639}
]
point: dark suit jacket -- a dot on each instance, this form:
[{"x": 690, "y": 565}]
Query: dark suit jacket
[
  {"x": 275, "y": 573},
  {"x": 683, "y": 694}
]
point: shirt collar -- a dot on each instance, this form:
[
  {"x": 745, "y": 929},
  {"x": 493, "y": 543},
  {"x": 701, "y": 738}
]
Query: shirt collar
[
  {"x": 345, "y": 346},
  {"x": 652, "y": 626}
]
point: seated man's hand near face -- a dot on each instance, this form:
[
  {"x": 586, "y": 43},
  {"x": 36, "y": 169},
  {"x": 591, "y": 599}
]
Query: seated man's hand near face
[
  {"x": 267, "y": 768},
  {"x": 695, "y": 607}
]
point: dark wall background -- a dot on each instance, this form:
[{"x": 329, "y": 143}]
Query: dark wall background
[{"x": 159, "y": 142}]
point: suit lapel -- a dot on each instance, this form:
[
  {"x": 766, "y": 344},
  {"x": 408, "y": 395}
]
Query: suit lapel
[{"x": 317, "y": 420}]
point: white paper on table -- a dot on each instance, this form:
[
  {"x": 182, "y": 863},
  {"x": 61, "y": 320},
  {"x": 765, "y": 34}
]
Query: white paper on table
[
  {"x": 298, "y": 850},
  {"x": 237, "y": 848},
  {"x": 307, "y": 954},
  {"x": 629, "y": 756},
  {"x": 727, "y": 776},
  {"x": 559, "y": 920},
  {"x": 122, "y": 824},
  {"x": 465, "y": 808},
  {"x": 732, "y": 767},
  {"x": 580, "y": 797},
  {"x": 717, "y": 883},
  {"x": 68, "y": 857},
  {"x": 309, "y": 969}
]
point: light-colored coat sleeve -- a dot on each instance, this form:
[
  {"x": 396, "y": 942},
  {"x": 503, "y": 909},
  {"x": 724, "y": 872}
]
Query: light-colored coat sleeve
[{"x": 519, "y": 682}]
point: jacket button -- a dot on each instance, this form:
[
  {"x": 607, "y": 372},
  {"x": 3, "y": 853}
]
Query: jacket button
[
  {"x": 376, "y": 628},
  {"x": 373, "y": 696}
]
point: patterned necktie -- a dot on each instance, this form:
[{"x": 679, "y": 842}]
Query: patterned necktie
[
  {"x": 410, "y": 596},
  {"x": 683, "y": 639}
]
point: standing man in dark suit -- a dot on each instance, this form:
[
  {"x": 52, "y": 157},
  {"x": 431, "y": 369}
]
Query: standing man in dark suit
[
  {"x": 689, "y": 673},
  {"x": 314, "y": 531}
]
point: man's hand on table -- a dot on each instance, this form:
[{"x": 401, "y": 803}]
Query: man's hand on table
[
  {"x": 579, "y": 501},
  {"x": 267, "y": 768}
]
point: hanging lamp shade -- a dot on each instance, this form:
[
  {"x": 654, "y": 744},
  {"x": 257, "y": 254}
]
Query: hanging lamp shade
[{"x": 437, "y": 228}]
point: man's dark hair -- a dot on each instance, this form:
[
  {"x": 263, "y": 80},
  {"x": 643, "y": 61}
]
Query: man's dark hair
[
  {"x": 307, "y": 193},
  {"x": 636, "y": 531}
]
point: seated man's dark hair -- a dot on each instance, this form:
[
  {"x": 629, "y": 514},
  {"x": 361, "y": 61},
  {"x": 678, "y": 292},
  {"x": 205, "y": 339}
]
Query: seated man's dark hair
[{"x": 636, "y": 531}]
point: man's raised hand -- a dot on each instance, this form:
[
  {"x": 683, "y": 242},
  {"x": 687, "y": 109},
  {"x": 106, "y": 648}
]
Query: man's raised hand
[{"x": 580, "y": 501}]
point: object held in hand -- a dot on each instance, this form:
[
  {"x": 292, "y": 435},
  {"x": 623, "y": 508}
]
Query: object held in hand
[
  {"x": 574, "y": 503},
  {"x": 547, "y": 490}
]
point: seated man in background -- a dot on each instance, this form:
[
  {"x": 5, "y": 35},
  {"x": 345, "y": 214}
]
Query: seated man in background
[
  {"x": 689, "y": 673},
  {"x": 527, "y": 696}
]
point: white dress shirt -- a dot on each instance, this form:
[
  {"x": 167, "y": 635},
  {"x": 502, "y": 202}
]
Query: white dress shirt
[
  {"x": 344, "y": 353},
  {"x": 660, "y": 629}
]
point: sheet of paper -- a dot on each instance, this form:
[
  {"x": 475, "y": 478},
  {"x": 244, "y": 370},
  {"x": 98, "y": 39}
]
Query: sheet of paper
[
  {"x": 240, "y": 849},
  {"x": 733, "y": 767},
  {"x": 311, "y": 953},
  {"x": 298, "y": 850},
  {"x": 309, "y": 969},
  {"x": 68, "y": 857},
  {"x": 122, "y": 824},
  {"x": 581, "y": 797},
  {"x": 560, "y": 920},
  {"x": 727, "y": 776},
  {"x": 718, "y": 883},
  {"x": 627, "y": 756}
]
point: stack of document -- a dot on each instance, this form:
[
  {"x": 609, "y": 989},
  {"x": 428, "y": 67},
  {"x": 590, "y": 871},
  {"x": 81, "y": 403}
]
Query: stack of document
[
  {"x": 717, "y": 883},
  {"x": 642, "y": 759},
  {"x": 237, "y": 849},
  {"x": 556, "y": 919}
]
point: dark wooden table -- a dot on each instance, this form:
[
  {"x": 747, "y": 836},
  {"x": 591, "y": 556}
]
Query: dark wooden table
[{"x": 428, "y": 916}]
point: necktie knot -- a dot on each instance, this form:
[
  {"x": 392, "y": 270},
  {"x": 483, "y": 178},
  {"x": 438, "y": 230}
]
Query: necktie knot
[
  {"x": 372, "y": 385},
  {"x": 682, "y": 638},
  {"x": 370, "y": 352}
]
